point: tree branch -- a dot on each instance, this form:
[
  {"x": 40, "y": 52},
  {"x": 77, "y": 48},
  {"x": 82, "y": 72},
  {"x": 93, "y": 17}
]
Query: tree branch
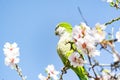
[
  {"x": 113, "y": 20},
  {"x": 17, "y": 68},
  {"x": 64, "y": 71}
]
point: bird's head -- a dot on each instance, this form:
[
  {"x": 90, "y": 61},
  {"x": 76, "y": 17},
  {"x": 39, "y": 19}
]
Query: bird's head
[{"x": 63, "y": 27}]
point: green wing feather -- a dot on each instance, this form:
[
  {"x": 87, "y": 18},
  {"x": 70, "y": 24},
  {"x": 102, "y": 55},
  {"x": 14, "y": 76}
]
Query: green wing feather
[{"x": 80, "y": 71}]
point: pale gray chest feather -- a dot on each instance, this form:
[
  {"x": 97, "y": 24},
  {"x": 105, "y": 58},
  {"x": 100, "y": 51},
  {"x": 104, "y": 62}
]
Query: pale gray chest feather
[{"x": 63, "y": 47}]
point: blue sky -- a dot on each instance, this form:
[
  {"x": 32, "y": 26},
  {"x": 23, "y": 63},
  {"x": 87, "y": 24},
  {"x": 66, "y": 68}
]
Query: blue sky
[{"x": 31, "y": 24}]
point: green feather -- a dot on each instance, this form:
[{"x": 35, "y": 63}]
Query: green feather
[{"x": 81, "y": 72}]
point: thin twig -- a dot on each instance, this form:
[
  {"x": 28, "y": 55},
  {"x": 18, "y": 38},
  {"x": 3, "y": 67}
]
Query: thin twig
[
  {"x": 19, "y": 72},
  {"x": 113, "y": 20},
  {"x": 63, "y": 72},
  {"x": 108, "y": 50},
  {"x": 48, "y": 77},
  {"x": 91, "y": 65},
  {"x": 82, "y": 15},
  {"x": 103, "y": 65}
]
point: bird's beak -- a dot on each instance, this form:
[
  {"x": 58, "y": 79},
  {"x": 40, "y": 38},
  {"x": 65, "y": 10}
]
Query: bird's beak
[{"x": 56, "y": 33}]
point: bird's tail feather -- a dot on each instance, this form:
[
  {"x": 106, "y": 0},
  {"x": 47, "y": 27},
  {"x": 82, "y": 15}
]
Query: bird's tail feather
[{"x": 81, "y": 73}]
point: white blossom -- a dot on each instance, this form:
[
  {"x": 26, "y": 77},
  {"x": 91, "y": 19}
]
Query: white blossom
[
  {"x": 11, "y": 49},
  {"x": 41, "y": 77},
  {"x": 98, "y": 32},
  {"x": 92, "y": 79},
  {"x": 11, "y": 60},
  {"x": 87, "y": 46},
  {"x": 86, "y": 38},
  {"x": 52, "y": 72},
  {"x": 76, "y": 60},
  {"x": 76, "y": 33},
  {"x": 109, "y": 1},
  {"x": 99, "y": 37},
  {"x": 11, "y": 52},
  {"x": 80, "y": 31},
  {"x": 118, "y": 76},
  {"x": 105, "y": 76},
  {"x": 92, "y": 51},
  {"x": 100, "y": 26},
  {"x": 116, "y": 57},
  {"x": 84, "y": 26}
]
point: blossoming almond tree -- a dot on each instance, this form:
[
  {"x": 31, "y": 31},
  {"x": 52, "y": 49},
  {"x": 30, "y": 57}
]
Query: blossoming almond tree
[
  {"x": 78, "y": 47},
  {"x": 83, "y": 43},
  {"x": 82, "y": 46},
  {"x": 11, "y": 52},
  {"x": 51, "y": 73}
]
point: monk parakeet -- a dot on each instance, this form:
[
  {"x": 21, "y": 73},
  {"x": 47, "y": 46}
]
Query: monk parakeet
[{"x": 64, "y": 48}]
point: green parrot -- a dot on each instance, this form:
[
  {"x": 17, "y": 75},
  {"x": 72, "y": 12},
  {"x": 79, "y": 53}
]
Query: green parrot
[{"x": 64, "y": 48}]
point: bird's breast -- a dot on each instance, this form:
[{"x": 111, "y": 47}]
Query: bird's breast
[{"x": 63, "y": 47}]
